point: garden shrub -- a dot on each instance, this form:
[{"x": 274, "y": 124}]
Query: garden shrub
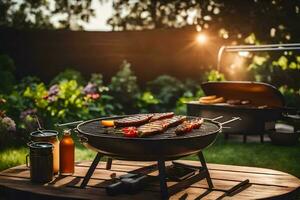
[
  {"x": 7, "y": 69},
  {"x": 63, "y": 101},
  {"x": 214, "y": 75},
  {"x": 99, "y": 102},
  {"x": 68, "y": 74},
  {"x": 69, "y": 97},
  {"x": 167, "y": 90},
  {"x": 291, "y": 96},
  {"x": 125, "y": 90},
  {"x": 7, "y": 126},
  {"x": 147, "y": 102}
]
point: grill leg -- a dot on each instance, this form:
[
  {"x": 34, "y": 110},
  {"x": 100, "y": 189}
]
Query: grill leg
[
  {"x": 244, "y": 138},
  {"x": 226, "y": 136},
  {"x": 108, "y": 163},
  {"x": 91, "y": 171},
  {"x": 162, "y": 179},
  {"x": 204, "y": 166},
  {"x": 262, "y": 137}
]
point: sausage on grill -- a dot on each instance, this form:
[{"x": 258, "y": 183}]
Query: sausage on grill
[{"x": 188, "y": 126}]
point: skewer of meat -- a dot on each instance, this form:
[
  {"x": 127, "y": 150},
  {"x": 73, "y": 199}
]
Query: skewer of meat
[
  {"x": 135, "y": 120},
  {"x": 159, "y": 116},
  {"x": 188, "y": 126},
  {"x": 159, "y": 126}
]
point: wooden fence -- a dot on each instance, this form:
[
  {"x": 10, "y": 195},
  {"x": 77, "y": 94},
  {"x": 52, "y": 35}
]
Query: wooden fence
[{"x": 45, "y": 53}]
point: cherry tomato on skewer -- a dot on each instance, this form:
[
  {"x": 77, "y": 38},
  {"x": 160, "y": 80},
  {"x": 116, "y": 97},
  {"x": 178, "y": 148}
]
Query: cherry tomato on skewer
[{"x": 130, "y": 131}]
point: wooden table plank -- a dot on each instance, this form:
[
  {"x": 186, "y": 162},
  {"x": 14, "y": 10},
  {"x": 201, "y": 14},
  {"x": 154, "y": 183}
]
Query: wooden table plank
[
  {"x": 197, "y": 163},
  {"x": 265, "y": 182}
]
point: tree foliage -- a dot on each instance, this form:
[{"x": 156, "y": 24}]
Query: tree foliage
[
  {"x": 70, "y": 14},
  {"x": 270, "y": 20}
]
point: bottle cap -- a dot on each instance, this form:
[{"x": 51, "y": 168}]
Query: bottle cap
[{"x": 67, "y": 132}]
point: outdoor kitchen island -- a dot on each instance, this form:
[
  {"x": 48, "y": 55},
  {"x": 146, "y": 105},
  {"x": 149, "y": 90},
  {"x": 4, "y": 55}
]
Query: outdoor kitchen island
[{"x": 264, "y": 183}]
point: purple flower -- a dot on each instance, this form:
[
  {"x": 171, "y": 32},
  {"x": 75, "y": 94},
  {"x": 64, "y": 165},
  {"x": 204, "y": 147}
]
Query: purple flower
[
  {"x": 8, "y": 124},
  {"x": 53, "y": 90},
  {"x": 90, "y": 88},
  {"x": 52, "y": 93},
  {"x": 52, "y": 98},
  {"x": 27, "y": 112}
]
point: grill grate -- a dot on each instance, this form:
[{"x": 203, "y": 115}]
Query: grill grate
[{"x": 94, "y": 127}]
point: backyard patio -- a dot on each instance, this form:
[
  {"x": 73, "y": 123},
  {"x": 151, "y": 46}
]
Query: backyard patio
[{"x": 150, "y": 82}]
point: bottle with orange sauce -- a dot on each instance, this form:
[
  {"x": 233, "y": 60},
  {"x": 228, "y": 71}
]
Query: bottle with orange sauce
[{"x": 66, "y": 154}]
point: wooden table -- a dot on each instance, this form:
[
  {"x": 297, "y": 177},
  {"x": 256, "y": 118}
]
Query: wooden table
[{"x": 265, "y": 183}]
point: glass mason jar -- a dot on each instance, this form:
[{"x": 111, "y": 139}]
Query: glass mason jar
[{"x": 52, "y": 137}]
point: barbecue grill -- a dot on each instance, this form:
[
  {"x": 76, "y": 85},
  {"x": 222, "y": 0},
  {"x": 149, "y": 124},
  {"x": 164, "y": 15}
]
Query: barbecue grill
[
  {"x": 160, "y": 147},
  {"x": 266, "y": 106},
  {"x": 254, "y": 121}
]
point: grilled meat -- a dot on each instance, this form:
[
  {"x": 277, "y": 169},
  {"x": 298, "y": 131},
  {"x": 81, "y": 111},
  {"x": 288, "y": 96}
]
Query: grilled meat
[
  {"x": 135, "y": 120},
  {"x": 211, "y": 100},
  {"x": 234, "y": 102},
  {"x": 197, "y": 123},
  {"x": 174, "y": 121},
  {"x": 188, "y": 126},
  {"x": 159, "y": 116},
  {"x": 245, "y": 102},
  {"x": 159, "y": 126},
  {"x": 151, "y": 128},
  {"x": 237, "y": 102}
]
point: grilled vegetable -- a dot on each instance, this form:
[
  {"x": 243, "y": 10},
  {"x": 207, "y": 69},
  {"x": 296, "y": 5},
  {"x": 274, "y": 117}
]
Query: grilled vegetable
[
  {"x": 130, "y": 132},
  {"x": 108, "y": 123},
  {"x": 188, "y": 126},
  {"x": 135, "y": 120}
]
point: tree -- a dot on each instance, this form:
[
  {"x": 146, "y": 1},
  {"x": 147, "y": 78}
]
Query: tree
[
  {"x": 235, "y": 21},
  {"x": 270, "y": 20},
  {"x": 69, "y": 14}
]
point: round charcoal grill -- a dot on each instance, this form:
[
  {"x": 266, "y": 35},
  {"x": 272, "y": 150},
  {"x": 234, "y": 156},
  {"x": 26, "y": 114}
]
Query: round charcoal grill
[{"x": 164, "y": 146}]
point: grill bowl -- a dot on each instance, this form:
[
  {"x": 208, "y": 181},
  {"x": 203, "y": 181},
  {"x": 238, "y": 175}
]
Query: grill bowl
[{"x": 165, "y": 146}]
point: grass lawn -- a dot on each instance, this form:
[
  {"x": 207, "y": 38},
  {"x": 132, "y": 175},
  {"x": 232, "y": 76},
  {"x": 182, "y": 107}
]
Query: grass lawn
[{"x": 265, "y": 155}]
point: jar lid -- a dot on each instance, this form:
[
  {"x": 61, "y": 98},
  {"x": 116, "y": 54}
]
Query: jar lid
[
  {"x": 44, "y": 134},
  {"x": 40, "y": 145},
  {"x": 67, "y": 132}
]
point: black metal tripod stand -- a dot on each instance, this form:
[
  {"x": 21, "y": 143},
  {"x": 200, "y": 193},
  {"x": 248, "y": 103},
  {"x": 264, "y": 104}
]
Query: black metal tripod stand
[{"x": 166, "y": 191}]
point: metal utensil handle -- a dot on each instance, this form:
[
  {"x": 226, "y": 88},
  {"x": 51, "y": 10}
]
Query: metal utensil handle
[
  {"x": 216, "y": 118},
  {"x": 38, "y": 122},
  {"x": 69, "y": 123},
  {"x": 27, "y": 162},
  {"x": 229, "y": 121},
  {"x": 242, "y": 185},
  {"x": 81, "y": 138},
  {"x": 236, "y": 187}
]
